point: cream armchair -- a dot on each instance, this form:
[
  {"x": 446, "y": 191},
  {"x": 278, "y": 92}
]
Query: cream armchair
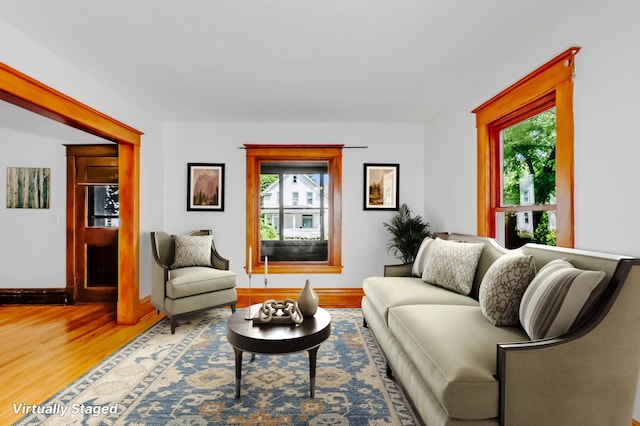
[{"x": 188, "y": 275}]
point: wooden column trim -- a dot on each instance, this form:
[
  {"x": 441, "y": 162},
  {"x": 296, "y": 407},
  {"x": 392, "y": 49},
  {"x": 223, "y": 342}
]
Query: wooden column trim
[{"x": 21, "y": 90}]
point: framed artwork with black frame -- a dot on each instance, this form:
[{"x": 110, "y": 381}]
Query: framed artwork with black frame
[
  {"x": 205, "y": 187},
  {"x": 381, "y": 186}
]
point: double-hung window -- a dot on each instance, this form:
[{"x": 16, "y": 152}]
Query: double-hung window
[
  {"x": 294, "y": 207},
  {"x": 525, "y": 158}
]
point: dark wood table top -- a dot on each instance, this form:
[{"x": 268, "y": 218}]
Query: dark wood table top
[{"x": 277, "y": 338}]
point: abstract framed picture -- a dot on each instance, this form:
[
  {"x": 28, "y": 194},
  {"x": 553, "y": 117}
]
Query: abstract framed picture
[
  {"x": 205, "y": 187},
  {"x": 28, "y": 187},
  {"x": 381, "y": 186}
]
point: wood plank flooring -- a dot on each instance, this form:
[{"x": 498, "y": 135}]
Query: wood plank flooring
[{"x": 45, "y": 348}]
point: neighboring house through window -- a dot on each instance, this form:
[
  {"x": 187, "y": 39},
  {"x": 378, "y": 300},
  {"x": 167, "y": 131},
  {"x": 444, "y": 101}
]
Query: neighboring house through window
[
  {"x": 525, "y": 158},
  {"x": 296, "y": 235}
]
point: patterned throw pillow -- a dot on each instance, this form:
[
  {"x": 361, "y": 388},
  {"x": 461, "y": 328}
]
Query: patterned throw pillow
[
  {"x": 192, "y": 250},
  {"x": 452, "y": 264},
  {"x": 502, "y": 288},
  {"x": 558, "y": 299},
  {"x": 421, "y": 257}
]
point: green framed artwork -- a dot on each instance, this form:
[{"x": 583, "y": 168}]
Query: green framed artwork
[{"x": 28, "y": 187}]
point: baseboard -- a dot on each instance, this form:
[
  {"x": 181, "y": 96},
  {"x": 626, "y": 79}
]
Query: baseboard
[
  {"x": 328, "y": 297},
  {"x": 34, "y": 296},
  {"x": 145, "y": 306}
]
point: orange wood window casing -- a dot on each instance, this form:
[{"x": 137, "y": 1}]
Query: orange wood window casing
[
  {"x": 26, "y": 92},
  {"x": 549, "y": 85},
  {"x": 255, "y": 155}
]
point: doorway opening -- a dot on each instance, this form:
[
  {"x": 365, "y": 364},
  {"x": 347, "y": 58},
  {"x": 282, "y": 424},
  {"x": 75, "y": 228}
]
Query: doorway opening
[{"x": 92, "y": 243}]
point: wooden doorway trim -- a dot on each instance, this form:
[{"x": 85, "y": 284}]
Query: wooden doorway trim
[{"x": 26, "y": 92}]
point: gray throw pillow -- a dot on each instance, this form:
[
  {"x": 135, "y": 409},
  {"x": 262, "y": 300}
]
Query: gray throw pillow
[
  {"x": 502, "y": 288},
  {"x": 452, "y": 264},
  {"x": 192, "y": 250},
  {"x": 558, "y": 299}
]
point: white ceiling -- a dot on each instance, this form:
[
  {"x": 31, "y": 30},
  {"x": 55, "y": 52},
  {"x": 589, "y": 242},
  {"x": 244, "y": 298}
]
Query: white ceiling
[{"x": 284, "y": 60}]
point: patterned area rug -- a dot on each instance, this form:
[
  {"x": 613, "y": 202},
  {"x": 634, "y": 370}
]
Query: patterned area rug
[{"x": 188, "y": 379}]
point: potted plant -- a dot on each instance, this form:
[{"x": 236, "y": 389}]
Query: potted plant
[{"x": 407, "y": 233}]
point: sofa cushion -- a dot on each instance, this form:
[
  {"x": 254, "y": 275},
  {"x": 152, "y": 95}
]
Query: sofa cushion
[
  {"x": 454, "y": 350},
  {"x": 192, "y": 250},
  {"x": 387, "y": 292},
  {"x": 502, "y": 288},
  {"x": 452, "y": 264},
  {"x": 559, "y": 298},
  {"x": 421, "y": 257},
  {"x": 194, "y": 280}
]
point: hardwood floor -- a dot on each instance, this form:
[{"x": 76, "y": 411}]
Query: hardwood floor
[{"x": 45, "y": 348}]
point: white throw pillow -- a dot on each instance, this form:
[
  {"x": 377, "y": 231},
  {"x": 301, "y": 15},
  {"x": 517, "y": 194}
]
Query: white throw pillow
[
  {"x": 192, "y": 250},
  {"x": 421, "y": 257},
  {"x": 558, "y": 299},
  {"x": 452, "y": 264}
]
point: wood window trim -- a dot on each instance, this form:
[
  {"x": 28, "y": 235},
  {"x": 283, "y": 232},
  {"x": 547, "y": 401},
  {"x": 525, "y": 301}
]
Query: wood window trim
[
  {"x": 526, "y": 97},
  {"x": 255, "y": 154}
]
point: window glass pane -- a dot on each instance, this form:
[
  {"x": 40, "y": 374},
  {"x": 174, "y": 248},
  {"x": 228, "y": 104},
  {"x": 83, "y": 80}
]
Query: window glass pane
[
  {"x": 294, "y": 227},
  {"x": 528, "y": 152},
  {"x": 514, "y": 229},
  {"x": 103, "y": 206}
]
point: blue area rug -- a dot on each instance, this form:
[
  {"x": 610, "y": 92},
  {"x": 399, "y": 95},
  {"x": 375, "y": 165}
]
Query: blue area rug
[{"x": 188, "y": 379}]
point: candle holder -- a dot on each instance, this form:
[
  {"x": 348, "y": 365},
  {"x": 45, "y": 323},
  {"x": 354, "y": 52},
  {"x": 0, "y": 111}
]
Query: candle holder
[
  {"x": 249, "y": 314},
  {"x": 266, "y": 280}
]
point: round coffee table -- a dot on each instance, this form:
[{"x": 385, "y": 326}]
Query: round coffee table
[{"x": 277, "y": 339}]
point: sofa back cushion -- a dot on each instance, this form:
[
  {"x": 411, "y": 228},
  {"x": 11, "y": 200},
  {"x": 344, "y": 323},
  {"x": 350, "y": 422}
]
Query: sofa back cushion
[
  {"x": 452, "y": 264},
  {"x": 559, "y": 298}
]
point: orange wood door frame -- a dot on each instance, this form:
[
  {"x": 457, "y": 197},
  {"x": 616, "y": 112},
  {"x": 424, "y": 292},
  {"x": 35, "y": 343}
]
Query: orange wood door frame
[{"x": 21, "y": 90}]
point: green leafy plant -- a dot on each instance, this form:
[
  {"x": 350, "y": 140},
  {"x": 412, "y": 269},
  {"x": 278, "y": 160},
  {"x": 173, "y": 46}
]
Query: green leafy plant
[{"x": 407, "y": 233}]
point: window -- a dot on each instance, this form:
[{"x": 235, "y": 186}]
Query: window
[
  {"x": 296, "y": 237},
  {"x": 525, "y": 158},
  {"x": 103, "y": 206}
]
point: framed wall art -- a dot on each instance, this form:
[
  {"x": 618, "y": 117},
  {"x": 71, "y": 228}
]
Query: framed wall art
[
  {"x": 28, "y": 187},
  {"x": 205, "y": 187},
  {"x": 381, "y": 186}
]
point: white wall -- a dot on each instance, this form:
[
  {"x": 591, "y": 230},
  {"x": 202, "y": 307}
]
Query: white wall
[
  {"x": 33, "y": 254},
  {"x": 607, "y": 146},
  {"x": 363, "y": 235},
  {"x": 606, "y": 136},
  {"x": 26, "y": 56}
]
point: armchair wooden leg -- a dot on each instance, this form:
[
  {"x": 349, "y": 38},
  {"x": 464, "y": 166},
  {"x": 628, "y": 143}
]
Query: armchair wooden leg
[
  {"x": 173, "y": 325},
  {"x": 233, "y": 307}
]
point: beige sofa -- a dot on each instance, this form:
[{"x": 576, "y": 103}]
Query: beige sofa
[{"x": 457, "y": 368}]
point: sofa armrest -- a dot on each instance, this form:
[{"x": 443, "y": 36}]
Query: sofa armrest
[
  {"x": 403, "y": 270},
  {"x": 587, "y": 377}
]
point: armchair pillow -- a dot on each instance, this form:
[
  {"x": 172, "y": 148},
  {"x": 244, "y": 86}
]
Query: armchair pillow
[
  {"x": 558, "y": 299},
  {"x": 192, "y": 250}
]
